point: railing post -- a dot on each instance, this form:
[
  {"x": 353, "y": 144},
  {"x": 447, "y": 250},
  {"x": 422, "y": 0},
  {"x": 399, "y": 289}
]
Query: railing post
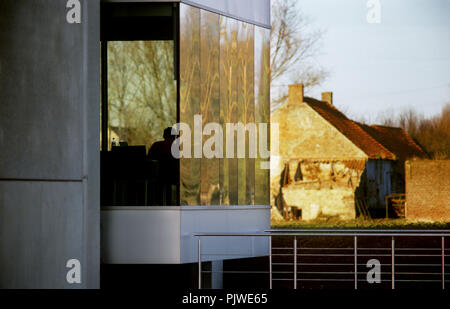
[
  {"x": 443, "y": 262},
  {"x": 356, "y": 261},
  {"x": 295, "y": 262},
  {"x": 199, "y": 263},
  {"x": 270, "y": 262},
  {"x": 393, "y": 263}
]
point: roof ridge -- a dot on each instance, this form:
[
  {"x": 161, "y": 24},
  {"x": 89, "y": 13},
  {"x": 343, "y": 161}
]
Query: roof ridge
[
  {"x": 405, "y": 135},
  {"x": 384, "y": 126},
  {"x": 411, "y": 140},
  {"x": 374, "y": 139},
  {"x": 335, "y": 115}
]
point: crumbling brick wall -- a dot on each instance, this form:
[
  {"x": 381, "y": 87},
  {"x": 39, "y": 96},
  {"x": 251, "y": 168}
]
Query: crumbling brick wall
[
  {"x": 428, "y": 190},
  {"x": 331, "y": 165}
]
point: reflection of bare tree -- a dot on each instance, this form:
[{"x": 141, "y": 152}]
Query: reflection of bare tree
[
  {"x": 189, "y": 98},
  {"x": 141, "y": 89},
  {"x": 217, "y": 80}
]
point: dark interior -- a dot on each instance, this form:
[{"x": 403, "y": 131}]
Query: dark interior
[{"x": 127, "y": 176}]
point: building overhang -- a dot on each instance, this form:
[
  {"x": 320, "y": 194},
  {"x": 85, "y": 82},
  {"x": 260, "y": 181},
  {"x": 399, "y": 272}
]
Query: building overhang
[
  {"x": 164, "y": 235},
  {"x": 255, "y": 12}
]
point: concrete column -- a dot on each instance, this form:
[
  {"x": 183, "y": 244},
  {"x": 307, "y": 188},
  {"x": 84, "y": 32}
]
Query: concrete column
[
  {"x": 217, "y": 274},
  {"x": 49, "y": 141}
]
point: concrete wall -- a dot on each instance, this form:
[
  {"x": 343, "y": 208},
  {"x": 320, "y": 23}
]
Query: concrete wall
[
  {"x": 164, "y": 235},
  {"x": 314, "y": 203},
  {"x": 304, "y": 134},
  {"x": 325, "y": 188},
  {"x": 49, "y": 144},
  {"x": 428, "y": 190}
]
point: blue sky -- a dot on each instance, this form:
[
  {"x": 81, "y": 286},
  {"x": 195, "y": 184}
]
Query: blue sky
[{"x": 384, "y": 68}]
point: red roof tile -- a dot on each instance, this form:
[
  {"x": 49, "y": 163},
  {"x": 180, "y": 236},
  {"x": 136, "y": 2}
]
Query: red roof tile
[
  {"x": 351, "y": 130},
  {"x": 396, "y": 140}
]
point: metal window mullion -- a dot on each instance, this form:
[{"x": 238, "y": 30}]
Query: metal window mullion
[
  {"x": 295, "y": 262},
  {"x": 356, "y": 261},
  {"x": 393, "y": 263},
  {"x": 443, "y": 262},
  {"x": 270, "y": 262},
  {"x": 199, "y": 263}
]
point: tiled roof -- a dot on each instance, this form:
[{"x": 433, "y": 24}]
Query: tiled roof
[
  {"x": 353, "y": 131},
  {"x": 396, "y": 140}
]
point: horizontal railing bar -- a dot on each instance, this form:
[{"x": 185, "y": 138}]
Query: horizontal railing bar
[
  {"x": 382, "y": 273},
  {"x": 424, "y": 280},
  {"x": 413, "y": 249},
  {"x": 305, "y": 279},
  {"x": 317, "y": 272},
  {"x": 360, "y": 280},
  {"x": 222, "y": 254},
  {"x": 359, "y": 264},
  {"x": 240, "y": 272},
  {"x": 420, "y": 255},
  {"x": 322, "y": 264},
  {"x": 313, "y": 254},
  {"x": 405, "y": 264},
  {"x": 360, "y": 249},
  {"x": 304, "y": 248},
  {"x": 373, "y": 254},
  {"x": 327, "y": 272},
  {"x": 428, "y": 274}
]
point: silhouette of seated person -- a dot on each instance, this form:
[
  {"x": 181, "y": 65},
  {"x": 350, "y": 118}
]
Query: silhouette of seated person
[{"x": 167, "y": 174}]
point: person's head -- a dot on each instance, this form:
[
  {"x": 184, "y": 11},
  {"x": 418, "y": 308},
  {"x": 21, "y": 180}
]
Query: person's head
[{"x": 168, "y": 133}]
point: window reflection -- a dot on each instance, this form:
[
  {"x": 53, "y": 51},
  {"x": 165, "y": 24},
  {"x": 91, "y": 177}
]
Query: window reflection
[
  {"x": 189, "y": 98},
  {"x": 141, "y": 91},
  {"x": 209, "y": 101},
  {"x": 141, "y": 105},
  {"x": 262, "y": 107},
  {"x": 224, "y": 77}
]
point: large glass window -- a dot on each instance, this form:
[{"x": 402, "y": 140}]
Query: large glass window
[
  {"x": 224, "y": 78},
  {"x": 223, "y": 73},
  {"x": 141, "y": 91},
  {"x": 139, "y": 105}
]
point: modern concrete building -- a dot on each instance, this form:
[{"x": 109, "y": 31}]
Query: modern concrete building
[{"x": 72, "y": 69}]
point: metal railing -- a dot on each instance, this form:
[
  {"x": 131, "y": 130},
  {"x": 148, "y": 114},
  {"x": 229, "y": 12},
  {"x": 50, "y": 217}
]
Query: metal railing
[{"x": 301, "y": 255}]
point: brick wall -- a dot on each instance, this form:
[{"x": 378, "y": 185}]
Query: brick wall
[{"x": 428, "y": 190}]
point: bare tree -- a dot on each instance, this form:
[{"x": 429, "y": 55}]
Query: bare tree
[
  {"x": 433, "y": 133},
  {"x": 293, "y": 48},
  {"x": 141, "y": 90}
]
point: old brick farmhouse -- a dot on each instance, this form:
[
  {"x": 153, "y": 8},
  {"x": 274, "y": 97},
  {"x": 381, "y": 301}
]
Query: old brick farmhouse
[{"x": 331, "y": 166}]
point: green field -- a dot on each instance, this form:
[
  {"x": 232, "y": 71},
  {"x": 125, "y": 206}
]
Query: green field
[{"x": 359, "y": 224}]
